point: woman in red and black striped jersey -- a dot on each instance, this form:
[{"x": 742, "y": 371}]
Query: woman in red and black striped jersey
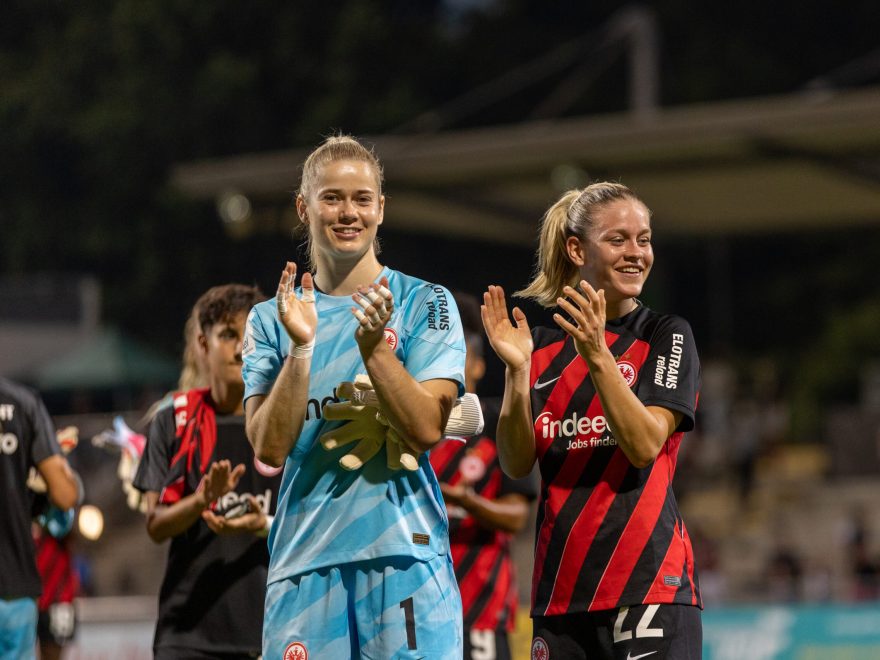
[{"x": 601, "y": 403}]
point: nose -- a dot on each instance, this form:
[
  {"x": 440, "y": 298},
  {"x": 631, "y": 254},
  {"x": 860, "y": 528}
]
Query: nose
[{"x": 348, "y": 211}]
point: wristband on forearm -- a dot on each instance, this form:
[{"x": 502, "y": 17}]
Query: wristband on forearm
[{"x": 302, "y": 351}]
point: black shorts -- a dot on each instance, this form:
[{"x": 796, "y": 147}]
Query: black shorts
[
  {"x": 486, "y": 645},
  {"x": 57, "y": 624},
  {"x": 652, "y": 632}
]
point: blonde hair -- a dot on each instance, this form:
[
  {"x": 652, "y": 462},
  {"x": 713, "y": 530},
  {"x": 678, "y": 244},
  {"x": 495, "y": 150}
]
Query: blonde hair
[
  {"x": 573, "y": 214},
  {"x": 332, "y": 149}
]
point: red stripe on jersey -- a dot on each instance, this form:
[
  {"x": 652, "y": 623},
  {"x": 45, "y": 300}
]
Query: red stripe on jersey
[
  {"x": 695, "y": 598},
  {"x": 583, "y": 531},
  {"x": 635, "y": 536},
  {"x": 479, "y": 572},
  {"x": 573, "y": 376},
  {"x": 559, "y": 490},
  {"x": 542, "y": 358},
  {"x": 497, "y": 608},
  {"x": 172, "y": 493},
  {"x": 672, "y": 566}
]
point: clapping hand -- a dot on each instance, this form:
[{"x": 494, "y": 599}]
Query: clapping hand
[
  {"x": 299, "y": 316},
  {"x": 587, "y": 325},
  {"x": 512, "y": 343}
]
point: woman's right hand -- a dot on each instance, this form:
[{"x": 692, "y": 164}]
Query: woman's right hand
[
  {"x": 512, "y": 343},
  {"x": 299, "y": 316}
]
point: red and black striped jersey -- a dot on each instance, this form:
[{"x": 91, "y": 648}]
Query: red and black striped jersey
[
  {"x": 610, "y": 534},
  {"x": 55, "y": 566},
  {"x": 481, "y": 556}
]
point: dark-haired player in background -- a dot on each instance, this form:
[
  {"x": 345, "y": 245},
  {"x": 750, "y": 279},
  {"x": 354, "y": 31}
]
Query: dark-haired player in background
[
  {"x": 27, "y": 439},
  {"x": 601, "y": 404},
  {"x": 206, "y": 492},
  {"x": 486, "y": 508}
]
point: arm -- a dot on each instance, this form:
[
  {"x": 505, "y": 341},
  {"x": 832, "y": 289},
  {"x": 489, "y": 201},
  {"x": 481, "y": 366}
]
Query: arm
[
  {"x": 273, "y": 422},
  {"x": 62, "y": 483},
  {"x": 515, "y": 436},
  {"x": 165, "y": 521},
  {"x": 640, "y": 431},
  {"x": 417, "y": 410},
  {"x": 509, "y": 513}
]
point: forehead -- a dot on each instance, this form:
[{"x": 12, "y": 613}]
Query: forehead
[
  {"x": 624, "y": 215},
  {"x": 347, "y": 174},
  {"x": 234, "y": 320}
]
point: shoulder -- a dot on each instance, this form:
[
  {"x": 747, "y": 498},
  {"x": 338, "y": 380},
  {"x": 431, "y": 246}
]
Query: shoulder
[
  {"x": 647, "y": 322},
  {"x": 18, "y": 393},
  {"x": 544, "y": 336}
]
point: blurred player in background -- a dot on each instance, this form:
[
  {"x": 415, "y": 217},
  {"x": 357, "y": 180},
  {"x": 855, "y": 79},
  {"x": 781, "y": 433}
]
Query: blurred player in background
[
  {"x": 486, "y": 508},
  {"x": 360, "y": 558},
  {"x": 27, "y": 439},
  {"x": 52, "y": 532},
  {"x": 205, "y": 492},
  {"x": 601, "y": 404}
]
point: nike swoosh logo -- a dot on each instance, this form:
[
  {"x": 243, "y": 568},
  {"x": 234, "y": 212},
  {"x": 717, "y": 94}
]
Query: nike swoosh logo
[
  {"x": 539, "y": 385},
  {"x": 630, "y": 656}
]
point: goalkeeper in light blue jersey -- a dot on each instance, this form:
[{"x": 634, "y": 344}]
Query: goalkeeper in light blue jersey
[{"x": 360, "y": 563}]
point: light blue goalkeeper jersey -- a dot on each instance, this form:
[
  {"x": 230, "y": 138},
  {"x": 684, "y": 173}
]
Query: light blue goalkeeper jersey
[{"x": 327, "y": 515}]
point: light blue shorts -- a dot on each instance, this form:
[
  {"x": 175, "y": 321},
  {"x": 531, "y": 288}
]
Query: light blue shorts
[
  {"x": 18, "y": 629},
  {"x": 393, "y": 607}
]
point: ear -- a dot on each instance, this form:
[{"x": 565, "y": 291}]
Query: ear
[
  {"x": 381, "y": 209},
  {"x": 301, "y": 209},
  {"x": 203, "y": 343},
  {"x": 574, "y": 248}
]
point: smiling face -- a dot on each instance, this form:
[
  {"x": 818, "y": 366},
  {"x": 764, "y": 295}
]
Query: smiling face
[
  {"x": 343, "y": 210},
  {"x": 616, "y": 254}
]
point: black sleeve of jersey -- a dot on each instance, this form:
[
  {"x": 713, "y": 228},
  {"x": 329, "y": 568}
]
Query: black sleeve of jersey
[
  {"x": 45, "y": 443},
  {"x": 161, "y": 445},
  {"x": 527, "y": 486},
  {"x": 670, "y": 377}
]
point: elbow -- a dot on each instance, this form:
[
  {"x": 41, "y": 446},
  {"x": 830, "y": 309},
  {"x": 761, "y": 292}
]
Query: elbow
[
  {"x": 155, "y": 534},
  {"x": 273, "y": 459},
  {"x": 642, "y": 457},
  {"x": 513, "y": 470}
]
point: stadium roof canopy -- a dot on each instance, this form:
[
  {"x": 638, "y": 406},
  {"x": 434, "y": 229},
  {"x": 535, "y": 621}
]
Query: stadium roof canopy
[{"x": 777, "y": 164}]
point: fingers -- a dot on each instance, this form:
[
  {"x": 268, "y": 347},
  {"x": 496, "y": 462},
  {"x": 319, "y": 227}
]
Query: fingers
[
  {"x": 285, "y": 287},
  {"x": 345, "y": 410},
  {"x": 377, "y": 305},
  {"x": 362, "y": 452}
]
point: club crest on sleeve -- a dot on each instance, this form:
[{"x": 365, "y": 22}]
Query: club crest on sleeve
[
  {"x": 540, "y": 650},
  {"x": 391, "y": 338},
  {"x": 296, "y": 651},
  {"x": 629, "y": 372},
  {"x": 472, "y": 468}
]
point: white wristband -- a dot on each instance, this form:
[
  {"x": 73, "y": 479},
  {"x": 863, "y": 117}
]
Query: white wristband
[{"x": 302, "y": 351}]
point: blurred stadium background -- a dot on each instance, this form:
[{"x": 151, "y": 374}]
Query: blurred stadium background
[{"x": 149, "y": 150}]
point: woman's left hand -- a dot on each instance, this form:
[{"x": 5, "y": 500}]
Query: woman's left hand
[
  {"x": 377, "y": 305},
  {"x": 587, "y": 325}
]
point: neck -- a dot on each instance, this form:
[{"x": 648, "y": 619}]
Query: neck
[
  {"x": 228, "y": 397},
  {"x": 340, "y": 278},
  {"x": 616, "y": 309}
]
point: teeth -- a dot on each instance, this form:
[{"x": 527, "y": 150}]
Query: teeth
[{"x": 630, "y": 270}]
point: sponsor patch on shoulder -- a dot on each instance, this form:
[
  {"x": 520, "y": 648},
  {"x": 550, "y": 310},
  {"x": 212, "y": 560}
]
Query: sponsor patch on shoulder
[{"x": 248, "y": 346}]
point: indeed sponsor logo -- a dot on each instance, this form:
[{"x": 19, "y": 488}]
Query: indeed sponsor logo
[
  {"x": 666, "y": 372},
  {"x": 232, "y": 498},
  {"x": 571, "y": 426}
]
